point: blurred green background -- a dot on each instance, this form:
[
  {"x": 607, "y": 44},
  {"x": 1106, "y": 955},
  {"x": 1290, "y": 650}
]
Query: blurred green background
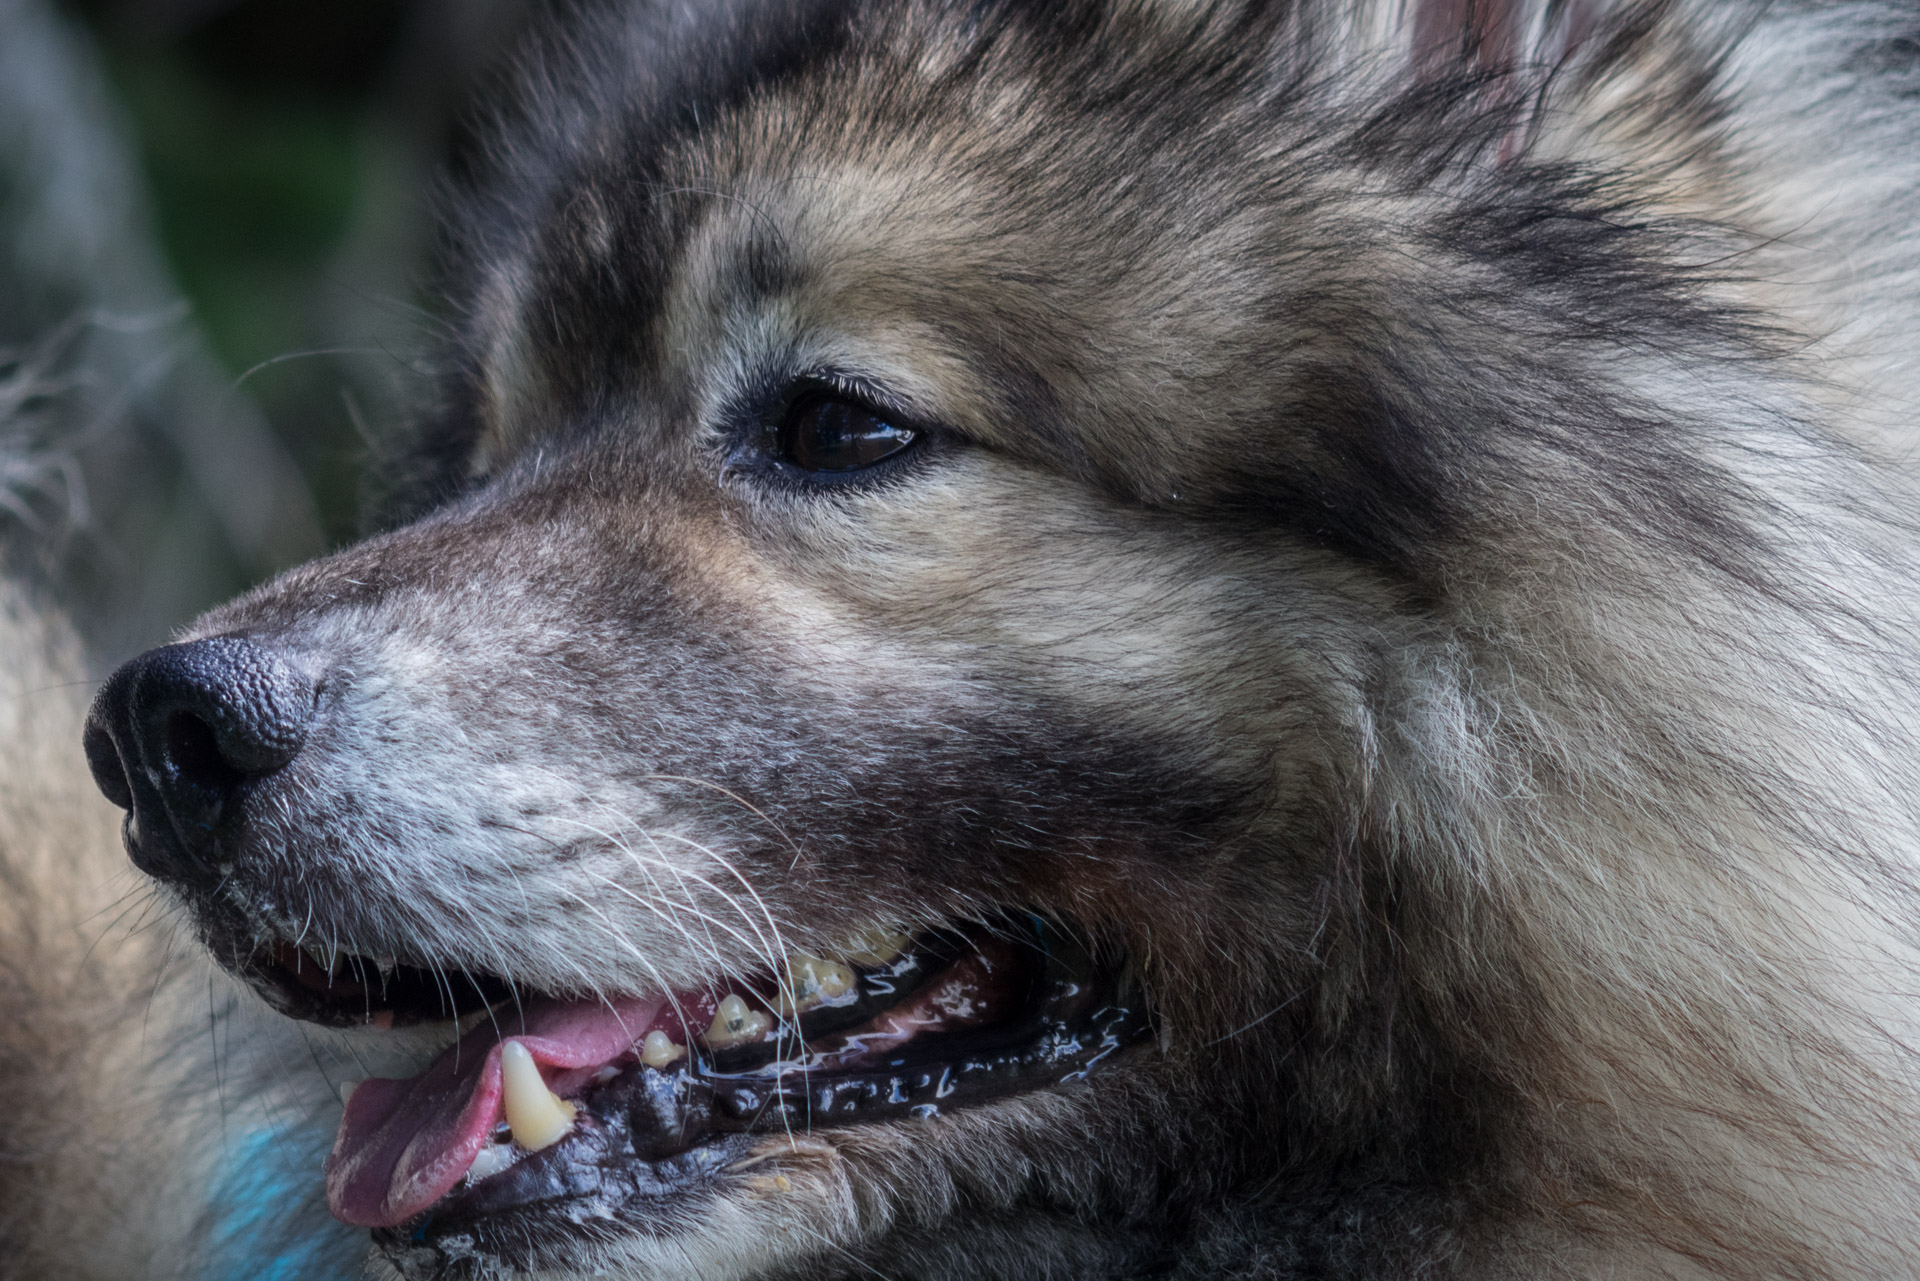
[
  {"x": 215, "y": 220},
  {"x": 261, "y": 127},
  {"x": 255, "y": 124}
]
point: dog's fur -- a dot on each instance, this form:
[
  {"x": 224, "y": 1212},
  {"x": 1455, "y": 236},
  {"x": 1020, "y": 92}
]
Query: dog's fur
[
  {"x": 69, "y": 997},
  {"x": 1417, "y": 545}
]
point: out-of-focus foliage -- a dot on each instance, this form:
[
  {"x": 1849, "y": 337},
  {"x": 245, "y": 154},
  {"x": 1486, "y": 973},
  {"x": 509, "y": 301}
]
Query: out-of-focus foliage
[
  {"x": 258, "y": 126},
  {"x": 212, "y": 220},
  {"x": 253, "y": 199},
  {"x": 135, "y": 482}
]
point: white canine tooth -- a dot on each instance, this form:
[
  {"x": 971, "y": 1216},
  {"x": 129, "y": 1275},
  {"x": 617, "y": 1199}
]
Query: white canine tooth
[
  {"x": 659, "y": 1049},
  {"x": 539, "y": 1118},
  {"x": 811, "y": 982},
  {"x": 736, "y": 1023},
  {"x": 876, "y": 945}
]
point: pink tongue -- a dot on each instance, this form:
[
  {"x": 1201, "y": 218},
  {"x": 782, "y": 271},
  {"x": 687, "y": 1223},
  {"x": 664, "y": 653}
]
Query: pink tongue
[{"x": 403, "y": 1144}]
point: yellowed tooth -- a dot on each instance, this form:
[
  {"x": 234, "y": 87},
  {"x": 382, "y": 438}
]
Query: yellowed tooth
[
  {"x": 538, "y": 1117},
  {"x": 659, "y": 1049},
  {"x": 876, "y": 945},
  {"x": 737, "y": 1023},
  {"x": 811, "y": 982}
]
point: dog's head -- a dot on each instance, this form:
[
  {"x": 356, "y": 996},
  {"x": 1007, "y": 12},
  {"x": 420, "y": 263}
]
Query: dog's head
[{"x": 915, "y": 680}]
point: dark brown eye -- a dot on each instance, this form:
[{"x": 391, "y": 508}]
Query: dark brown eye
[{"x": 824, "y": 434}]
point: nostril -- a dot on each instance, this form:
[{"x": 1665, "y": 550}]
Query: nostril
[
  {"x": 193, "y": 749},
  {"x": 179, "y": 736},
  {"x": 217, "y": 712},
  {"x": 103, "y": 758}
]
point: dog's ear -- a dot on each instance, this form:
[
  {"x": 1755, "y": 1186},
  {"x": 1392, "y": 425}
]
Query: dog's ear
[
  {"x": 1498, "y": 36},
  {"x": 1505, "y": 50},
  {"x": 1450, "y": 34}
]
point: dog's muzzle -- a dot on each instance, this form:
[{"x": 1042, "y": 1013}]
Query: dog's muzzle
[{"x": 176, "y": 734}]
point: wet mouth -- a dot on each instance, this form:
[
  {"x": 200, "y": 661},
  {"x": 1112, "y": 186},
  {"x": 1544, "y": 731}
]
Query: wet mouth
[{"x": 551, "y": 1118}]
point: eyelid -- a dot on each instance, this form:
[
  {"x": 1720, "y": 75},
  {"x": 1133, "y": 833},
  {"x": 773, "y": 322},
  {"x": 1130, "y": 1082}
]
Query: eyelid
[{"x": 840, "y": 385}]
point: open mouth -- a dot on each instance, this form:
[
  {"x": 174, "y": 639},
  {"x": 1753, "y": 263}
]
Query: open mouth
[{"x": 549, "y": 1116}]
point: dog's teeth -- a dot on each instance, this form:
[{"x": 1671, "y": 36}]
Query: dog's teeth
[
  {"x": 659, "y": 1050},
  {"x": 736, "y": 1023},
  {"x": 386, "y": 964},
  {"x": 490, "y": 1160},
  {"x": 811, "y": 982},
  {"x": 539, "y": 1118},
  {"x": 876, "y": 945}
]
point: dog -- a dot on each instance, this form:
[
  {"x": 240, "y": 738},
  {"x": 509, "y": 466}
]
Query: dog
[{"x": 1270, "y": 639}]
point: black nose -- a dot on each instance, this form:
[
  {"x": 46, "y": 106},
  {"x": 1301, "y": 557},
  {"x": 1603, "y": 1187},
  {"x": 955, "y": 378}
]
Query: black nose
[{"x": 175, "y": 733}]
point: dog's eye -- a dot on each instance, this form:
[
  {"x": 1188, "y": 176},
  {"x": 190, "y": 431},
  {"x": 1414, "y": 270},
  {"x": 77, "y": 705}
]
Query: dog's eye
[{"x": 823, "y": 434}]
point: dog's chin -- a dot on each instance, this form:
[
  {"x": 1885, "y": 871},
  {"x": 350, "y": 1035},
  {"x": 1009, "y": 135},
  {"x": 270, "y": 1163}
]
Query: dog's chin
[{"x": 647, "y": 1114}]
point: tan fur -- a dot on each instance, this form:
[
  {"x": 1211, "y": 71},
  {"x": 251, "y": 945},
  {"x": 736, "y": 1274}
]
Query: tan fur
[{"x": 78, "y": 1063}]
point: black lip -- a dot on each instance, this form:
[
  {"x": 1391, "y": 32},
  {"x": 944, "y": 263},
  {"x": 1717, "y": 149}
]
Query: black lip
[
  {"x": 357, "y": 991},
  {"x": 650, "y": 1145}
]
